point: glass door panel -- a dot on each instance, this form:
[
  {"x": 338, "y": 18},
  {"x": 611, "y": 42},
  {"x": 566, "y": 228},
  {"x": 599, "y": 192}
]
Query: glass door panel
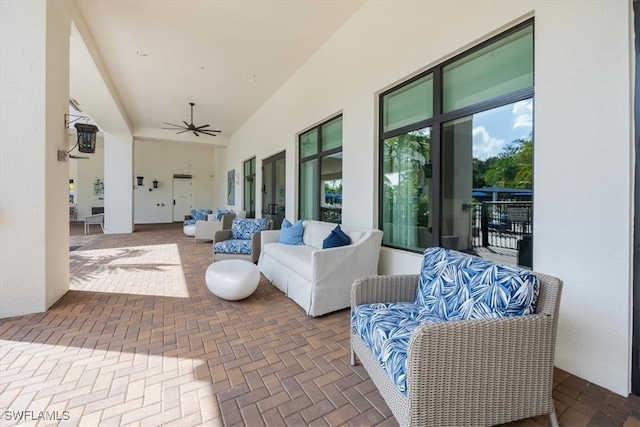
[{"x": 274, "y": 189}]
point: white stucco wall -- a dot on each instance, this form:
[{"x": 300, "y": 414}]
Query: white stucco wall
[
  {"x": 34, "y": 82},
  {"x": 161, "y": 160},
  {"x": 583, "y": 203}
]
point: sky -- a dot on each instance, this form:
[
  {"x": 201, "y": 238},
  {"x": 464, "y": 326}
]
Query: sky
[{"x": 494, "y": 129}]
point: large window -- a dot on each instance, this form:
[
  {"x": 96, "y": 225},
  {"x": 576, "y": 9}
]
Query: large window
[
  {"x": 320, "y": 176},
  {"x": 456, "y": 150}
]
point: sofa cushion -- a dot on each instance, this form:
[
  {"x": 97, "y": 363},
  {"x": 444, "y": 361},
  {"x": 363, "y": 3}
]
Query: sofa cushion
[
  {"x": 243, "y": 228},
  {"x": 315, "y": 233},
  {"x": 336, "y": 238},
  {"x": 296, "y": 258},
  {"x": 233, "y": 246},
  {"x": 291, "y": 234},
  {"x": 457, "y": 286},
  {"x": 386, "y": 329}
]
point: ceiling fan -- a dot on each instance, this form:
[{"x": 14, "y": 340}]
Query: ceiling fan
[{"x": 190, "y": 127}]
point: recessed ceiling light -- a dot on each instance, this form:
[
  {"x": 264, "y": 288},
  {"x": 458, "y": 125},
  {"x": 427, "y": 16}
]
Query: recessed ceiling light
[
  {"x": 252, "y": 78},
  {"x": 202, "y": 67},
  {"x": 141, "y": 53},
  {"x": 153, "y": 120}
]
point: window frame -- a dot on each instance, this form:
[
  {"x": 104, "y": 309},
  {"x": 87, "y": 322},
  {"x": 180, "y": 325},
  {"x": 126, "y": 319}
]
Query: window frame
[
  {"x": 318, "y": 155},
  {"x": 438, "y": 119}
]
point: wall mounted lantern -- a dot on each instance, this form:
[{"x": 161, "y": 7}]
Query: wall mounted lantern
[
  {"x": 155, "y": 183},
  {"x": 140, "y": 179},
  {"x": 86, "y": 137}
]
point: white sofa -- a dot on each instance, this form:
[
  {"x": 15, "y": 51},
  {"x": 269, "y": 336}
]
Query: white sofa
[{"x": 319, "y": 280}]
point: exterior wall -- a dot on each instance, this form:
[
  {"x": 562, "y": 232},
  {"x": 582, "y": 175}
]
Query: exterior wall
[
  {"x": 161, "y": 160},
  {"x": 583, "y": 74},
  {"x": 33, "y": 184}
]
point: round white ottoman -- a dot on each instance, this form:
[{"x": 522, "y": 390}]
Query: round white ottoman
[
  {"x": 232, "y": 279},
  {"x": 189, "y": 230}
]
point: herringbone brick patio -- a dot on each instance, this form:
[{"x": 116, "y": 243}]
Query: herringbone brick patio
[{"x": 139, "y": 340}]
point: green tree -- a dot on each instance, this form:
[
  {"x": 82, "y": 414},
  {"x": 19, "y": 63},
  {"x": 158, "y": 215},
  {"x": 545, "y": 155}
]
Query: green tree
[{"x": 513, "y": 167}]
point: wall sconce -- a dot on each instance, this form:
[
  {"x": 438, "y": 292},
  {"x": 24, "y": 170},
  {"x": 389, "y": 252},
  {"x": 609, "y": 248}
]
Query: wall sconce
[
  {"x": 155, "y": 183},
  {"x": 86, "y": 137},
  {"x": 140, "y": 179}
]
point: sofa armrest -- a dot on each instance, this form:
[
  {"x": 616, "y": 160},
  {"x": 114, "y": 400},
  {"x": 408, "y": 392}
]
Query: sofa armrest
[
  {"x": 334, "y": 270},
  {"x": 476, "y": 365},
  {"x": 268, "y": 236},
  {"x": 373, "y": 289}
]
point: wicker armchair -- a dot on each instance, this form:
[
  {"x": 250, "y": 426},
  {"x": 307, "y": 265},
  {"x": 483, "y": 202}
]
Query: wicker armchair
[
  {"x": 242, "y": 241},
  {"x": 206, "y": 228},
  {"x": 470, "y": 372}
]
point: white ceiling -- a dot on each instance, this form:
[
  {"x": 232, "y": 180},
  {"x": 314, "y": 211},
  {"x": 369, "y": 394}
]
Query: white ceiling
[{"x": 197, "y": 51}]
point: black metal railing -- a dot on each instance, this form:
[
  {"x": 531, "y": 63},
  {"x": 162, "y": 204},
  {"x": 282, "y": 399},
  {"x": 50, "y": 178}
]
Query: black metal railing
[{"x": 501, "y": 224}]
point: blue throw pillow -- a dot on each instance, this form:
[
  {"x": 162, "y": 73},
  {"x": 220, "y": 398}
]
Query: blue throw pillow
[
  {"x": 336, "y": 238},
  {"x": 291, "y": 234}
]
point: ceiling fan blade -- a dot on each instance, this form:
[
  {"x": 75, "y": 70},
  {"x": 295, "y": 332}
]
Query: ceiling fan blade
[
  {"x": 182, "y": 131},
  {"x": 200, "y": 127},
  {"x": 207, "y": 132},
  {"x": 196, "y": 133},
  {"x": 171, "y": 124},
  {"x": 185, "y": 123}
]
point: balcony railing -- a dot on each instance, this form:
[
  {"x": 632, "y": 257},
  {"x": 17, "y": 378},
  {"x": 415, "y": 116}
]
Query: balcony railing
[{"x": 501, "y": 224}]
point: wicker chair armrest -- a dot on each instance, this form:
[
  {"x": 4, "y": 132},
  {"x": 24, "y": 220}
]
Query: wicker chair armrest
[
  {"x": 475, "y": 366},
  {"x": 255, "y": 246},
  {"x": 372, "y": 289},
  {"x": 221, "y": 235}
]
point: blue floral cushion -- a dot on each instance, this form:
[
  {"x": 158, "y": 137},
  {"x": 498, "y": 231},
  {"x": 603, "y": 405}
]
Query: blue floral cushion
[
  {"x": 386, "y": 330},
  {"x": 197, "y": 215},
  {"x": 457, "y": 286},
  {"x": 217, "y": 215},
  {"x": 200, "y": 214},
  {"x": 243, "y": 228},
  {"x": 233, "y": 246}
]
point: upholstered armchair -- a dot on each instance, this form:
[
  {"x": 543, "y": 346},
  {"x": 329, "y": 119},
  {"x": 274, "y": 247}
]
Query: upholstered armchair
[
  {"x": 242, "y": 241},
  {"x": 189, "y": 225}
]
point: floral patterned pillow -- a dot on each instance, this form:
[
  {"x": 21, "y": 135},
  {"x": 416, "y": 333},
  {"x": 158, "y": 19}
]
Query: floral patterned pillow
[
  {"x": 243, "y": 228},
  {"x": 457, "y": 286}
]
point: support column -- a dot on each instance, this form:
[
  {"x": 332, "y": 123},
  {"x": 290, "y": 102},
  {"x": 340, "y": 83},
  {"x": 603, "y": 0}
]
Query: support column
[
  {"x": 34, "y": 186},
  {"x": 118, "y": 180}
]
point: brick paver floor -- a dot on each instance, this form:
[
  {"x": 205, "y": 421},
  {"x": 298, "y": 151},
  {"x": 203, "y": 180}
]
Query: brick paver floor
[{"x": 139, "y": 340}]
